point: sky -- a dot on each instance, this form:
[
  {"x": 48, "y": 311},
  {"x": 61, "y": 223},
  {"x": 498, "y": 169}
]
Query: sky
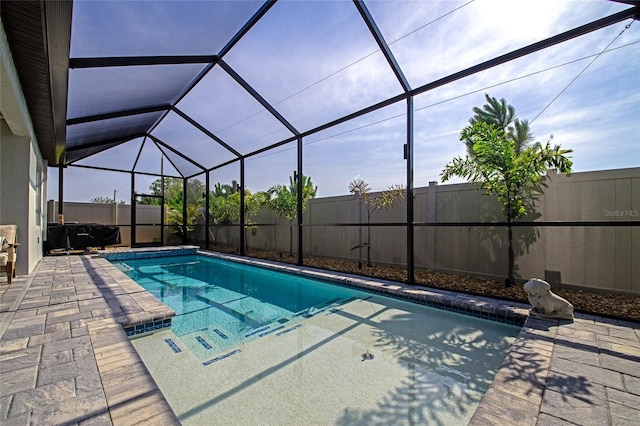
[{"x": 316, "y": 61}]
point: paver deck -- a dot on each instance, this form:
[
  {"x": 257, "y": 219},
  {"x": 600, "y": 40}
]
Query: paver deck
[{"x": 65, "y": 357}]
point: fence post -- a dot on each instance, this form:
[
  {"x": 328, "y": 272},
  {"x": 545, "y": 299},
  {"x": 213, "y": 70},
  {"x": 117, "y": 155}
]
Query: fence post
[
  {"x": 551, "y": 236},
  {"x": 431, "y": 230}
]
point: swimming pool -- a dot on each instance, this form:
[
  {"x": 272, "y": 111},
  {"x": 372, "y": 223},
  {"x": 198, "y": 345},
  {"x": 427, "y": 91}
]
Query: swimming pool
[{"x": 356, "y": 358}]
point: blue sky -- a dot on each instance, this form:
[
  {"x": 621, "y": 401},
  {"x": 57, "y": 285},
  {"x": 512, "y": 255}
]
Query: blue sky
[{"x": 315, "y": 61}]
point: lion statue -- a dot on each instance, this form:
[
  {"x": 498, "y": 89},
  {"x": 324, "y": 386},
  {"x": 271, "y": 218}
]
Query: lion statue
[{"x": 545, "y": 303}]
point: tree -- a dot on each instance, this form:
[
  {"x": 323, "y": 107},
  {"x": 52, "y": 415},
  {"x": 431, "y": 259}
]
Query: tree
[
  {"x": 104, "y": 200},
  {"x": 383, "y": 200},
  {"x": 283, "y": 201},
  {"x": 515, "y": 177},
  {"x": 224, "y": 190},
  {"x": 225, "y": 206},
  {"x": 175, "y": 217},
  {"x": 173, "y": 192},
  {"x": 252, "y": 203},
  {"x": 173, "y": 201},
  {"x": 224, "y": 211},
  {"x": 503, "y": 116}
]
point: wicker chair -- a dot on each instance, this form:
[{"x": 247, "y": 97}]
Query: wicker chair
[{"x": 8, "y": 254}]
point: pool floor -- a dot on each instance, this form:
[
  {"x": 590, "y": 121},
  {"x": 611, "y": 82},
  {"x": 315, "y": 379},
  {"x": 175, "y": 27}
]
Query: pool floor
[
  {"x": 375, "y": 361},
  {"x": 220, "y": 304}
]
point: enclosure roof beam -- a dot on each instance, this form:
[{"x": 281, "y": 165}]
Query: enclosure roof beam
[
  {"x": 246, "y": 86},
  {"x": 221, "y": 165},
  {"x": 127, "y": 61},
  {"x": 205, "y": 131},
  {"x": 247, "y": 26},
  {"x": 135, "y": 163},
  {"x": 117, "y": 114},
  {"x": 178, "y": 153},
  {"x": 160, "y": 146},
  {"x": 104, "y": 145},
  {"x": 110, "y": 169},
  {"x": 384, "y": 47},
  {"x": 104, "y": 142},
  {"x": 631, "y": 2}
]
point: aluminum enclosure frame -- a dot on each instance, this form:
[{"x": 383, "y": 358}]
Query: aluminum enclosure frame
[
  {"x": 212, "y": 61},
  {"x": 407, "y": 96}
]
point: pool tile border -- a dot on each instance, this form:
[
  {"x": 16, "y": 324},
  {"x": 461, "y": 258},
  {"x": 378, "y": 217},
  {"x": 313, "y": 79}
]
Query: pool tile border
[
  {"x": 148, "y": 253},
  {"x": 148, "y": 327}
]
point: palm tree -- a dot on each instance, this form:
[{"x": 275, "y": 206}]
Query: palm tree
[
  {"x": 308, "y": 190},
  {"x": 521, "y": 134},
  {"x": 503, "y": 116},
  {"x": 515, "y": 178},
  {"x": 497, "y": 112}
]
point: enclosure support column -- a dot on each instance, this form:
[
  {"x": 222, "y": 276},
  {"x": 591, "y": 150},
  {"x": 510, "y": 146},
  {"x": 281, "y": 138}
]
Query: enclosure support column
[
  {"x": 163, "y": 241},
  {"x": 60, "y": 189},
  {"x": 409, "y": 158},
  {"x": 299, "y": 195},
  {"x": 408, "y": 148},
  {"x": 206, "y": 214},
  {"x": 133, "y": 209},
  {"x": 184, "y": 211},
  {"x": 242, "y": 218}
]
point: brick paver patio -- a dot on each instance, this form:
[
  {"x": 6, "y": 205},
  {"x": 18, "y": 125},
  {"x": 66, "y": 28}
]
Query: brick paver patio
[{"x": 64, "y": 355}]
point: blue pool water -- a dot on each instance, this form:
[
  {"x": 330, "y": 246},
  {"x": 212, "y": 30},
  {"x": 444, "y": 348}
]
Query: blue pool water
[{"x": 220, "y": 304}]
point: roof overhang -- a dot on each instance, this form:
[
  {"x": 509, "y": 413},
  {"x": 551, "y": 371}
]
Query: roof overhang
[{"x": 39, "y": 36}]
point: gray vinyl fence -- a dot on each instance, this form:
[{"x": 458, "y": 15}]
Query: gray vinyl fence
[{"x": 593, "y": 256}]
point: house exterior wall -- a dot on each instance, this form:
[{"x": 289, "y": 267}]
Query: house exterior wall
[{"x": 22, "y": 168}]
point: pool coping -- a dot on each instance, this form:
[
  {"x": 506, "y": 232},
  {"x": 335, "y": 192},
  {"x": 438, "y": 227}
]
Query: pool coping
[
  {"x": 533, "y": 383},
  {"x": 139, "y": 311}
]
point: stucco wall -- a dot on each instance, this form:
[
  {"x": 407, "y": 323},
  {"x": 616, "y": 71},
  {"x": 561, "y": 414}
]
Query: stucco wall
[{"x": 22, "y": 169}]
